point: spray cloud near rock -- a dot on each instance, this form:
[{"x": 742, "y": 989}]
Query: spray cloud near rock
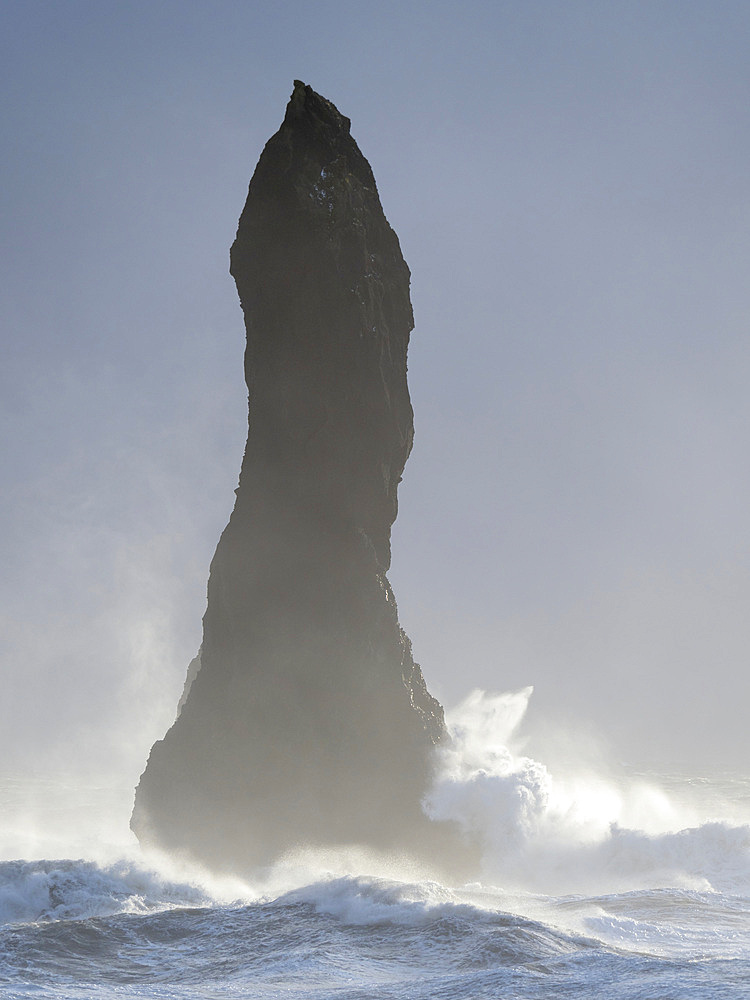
[{"x": 576, "y": 827}]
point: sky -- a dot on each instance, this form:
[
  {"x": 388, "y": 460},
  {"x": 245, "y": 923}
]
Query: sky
[{"x": 569, "y": 185}]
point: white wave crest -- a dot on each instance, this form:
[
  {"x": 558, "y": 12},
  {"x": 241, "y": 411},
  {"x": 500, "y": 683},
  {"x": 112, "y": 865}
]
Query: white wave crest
[{"x": 33, "y": 891}]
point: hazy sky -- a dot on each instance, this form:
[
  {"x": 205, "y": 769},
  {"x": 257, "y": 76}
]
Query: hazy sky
[{"x": 569, "y": 182}]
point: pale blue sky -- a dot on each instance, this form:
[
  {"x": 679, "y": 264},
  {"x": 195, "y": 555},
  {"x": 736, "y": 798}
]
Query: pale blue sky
[{"x": 569, "y": 183}]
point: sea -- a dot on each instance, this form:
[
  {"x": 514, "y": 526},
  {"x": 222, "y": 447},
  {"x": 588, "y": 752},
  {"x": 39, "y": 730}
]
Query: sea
[{"x": 593, "y": 883}]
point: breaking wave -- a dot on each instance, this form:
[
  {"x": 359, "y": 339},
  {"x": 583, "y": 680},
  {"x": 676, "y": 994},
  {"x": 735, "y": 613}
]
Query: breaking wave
[{"x": 572, "y": 832}]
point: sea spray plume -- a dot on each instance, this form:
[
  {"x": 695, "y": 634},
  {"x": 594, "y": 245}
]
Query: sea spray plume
[
  {"x": 307, "y": 721},
  {"x": 483, "y": 785},
  {"x": 571, "y": 829}
]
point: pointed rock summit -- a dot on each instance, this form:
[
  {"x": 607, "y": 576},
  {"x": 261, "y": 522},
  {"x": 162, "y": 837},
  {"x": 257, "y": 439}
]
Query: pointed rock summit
[{"x": 306, "y": 721}]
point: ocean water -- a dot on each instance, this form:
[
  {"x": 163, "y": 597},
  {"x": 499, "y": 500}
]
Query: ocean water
[{"x": 632, "y": 885}]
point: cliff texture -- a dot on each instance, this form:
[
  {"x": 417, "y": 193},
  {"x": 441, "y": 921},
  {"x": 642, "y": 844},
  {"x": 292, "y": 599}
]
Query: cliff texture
[{"x": 307, "y": 721}]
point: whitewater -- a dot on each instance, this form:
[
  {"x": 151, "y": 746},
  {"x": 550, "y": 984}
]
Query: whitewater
[{"x": 593, "y": 882}]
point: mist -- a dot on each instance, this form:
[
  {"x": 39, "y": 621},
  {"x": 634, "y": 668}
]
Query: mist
[{"x": 570, "y": 192}]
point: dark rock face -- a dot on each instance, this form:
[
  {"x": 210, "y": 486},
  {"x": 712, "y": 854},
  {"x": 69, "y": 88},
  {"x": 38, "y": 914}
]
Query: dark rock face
[{"x": 308, "y": 721}]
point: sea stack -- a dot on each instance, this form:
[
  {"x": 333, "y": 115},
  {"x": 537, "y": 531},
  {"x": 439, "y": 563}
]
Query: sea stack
[{"x": 306, "y": 721}]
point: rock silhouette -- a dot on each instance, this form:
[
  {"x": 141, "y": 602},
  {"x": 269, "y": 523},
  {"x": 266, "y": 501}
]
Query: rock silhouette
[{"x": 306, "y": 720}]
